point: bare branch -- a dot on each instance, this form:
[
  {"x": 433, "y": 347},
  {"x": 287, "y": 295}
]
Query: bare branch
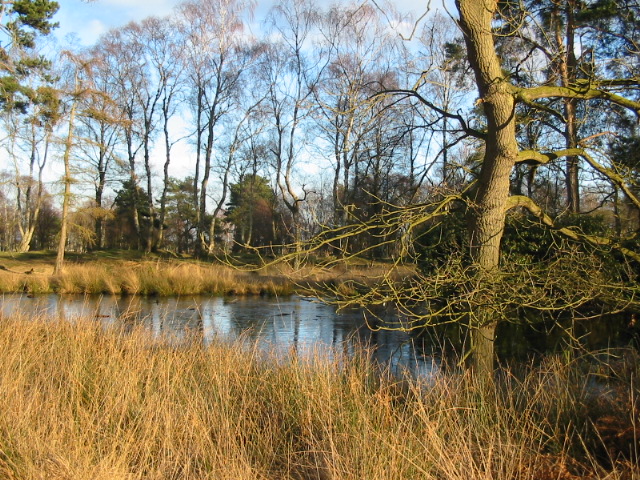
[{"x": 533, "y": 157}]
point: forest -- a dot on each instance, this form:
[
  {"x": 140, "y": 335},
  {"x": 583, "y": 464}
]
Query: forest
[{"x": 494, "y": 148}]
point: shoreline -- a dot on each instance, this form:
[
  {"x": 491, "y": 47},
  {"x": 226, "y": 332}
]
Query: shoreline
[{"x": 116, "y": 273}]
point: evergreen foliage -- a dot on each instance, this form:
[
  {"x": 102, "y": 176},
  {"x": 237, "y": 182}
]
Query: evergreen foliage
[
  {"x": 252, "y": 211},
  {"x": 24, "y": 21},
  {"x": 30, "y": 18}
]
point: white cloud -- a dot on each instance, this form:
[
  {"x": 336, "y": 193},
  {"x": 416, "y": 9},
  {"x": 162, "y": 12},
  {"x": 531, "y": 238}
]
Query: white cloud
[
  {"x": 90, "y": 32},
  {"x": 91, "y": 19}
]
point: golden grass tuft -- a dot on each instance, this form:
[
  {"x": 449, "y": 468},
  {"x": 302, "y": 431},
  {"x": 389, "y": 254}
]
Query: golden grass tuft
[
  {"x": 162, "y": 278},
  {"x": 79, "y": 401},
  {"x": 101, "y": 273}
]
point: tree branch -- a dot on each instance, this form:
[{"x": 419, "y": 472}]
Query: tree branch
[
  {"x": 584, "y": 90},
  {"x": 412, "y": 93},
  {"x": 533, "y": 157},
  {"x": 535, "y": 210}
]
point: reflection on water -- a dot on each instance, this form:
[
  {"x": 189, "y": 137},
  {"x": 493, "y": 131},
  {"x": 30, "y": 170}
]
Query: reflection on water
[{"x": 284, "y": 324}]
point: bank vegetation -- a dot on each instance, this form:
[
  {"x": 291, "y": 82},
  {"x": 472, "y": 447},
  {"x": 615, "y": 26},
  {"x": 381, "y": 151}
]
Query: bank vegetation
[
  {"x": 133, "y": 273},
  {"x": 81, "y": 401}
]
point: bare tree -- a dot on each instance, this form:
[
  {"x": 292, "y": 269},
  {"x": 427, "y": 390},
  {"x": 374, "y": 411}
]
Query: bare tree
[
  {"x": 291, "y": 75},
  {"x": 147, "y": 89},
  {"x": 121, "y": 56},
  {"x": 29, "y": 128},
  {"x": 100, "y": 129},
  {"x": 74, "y": 90},
  {"x": 345, "y": 107},
  {"x": 216, "y": 58},
  {"x": 163, "y": 46}
]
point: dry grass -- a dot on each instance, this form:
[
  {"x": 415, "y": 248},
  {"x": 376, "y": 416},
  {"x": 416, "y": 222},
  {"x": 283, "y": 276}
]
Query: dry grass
[
  {"x": 175, "y": 277},
  {"x": 145, "y": 278},
  {"x": 82, "y": 402}
]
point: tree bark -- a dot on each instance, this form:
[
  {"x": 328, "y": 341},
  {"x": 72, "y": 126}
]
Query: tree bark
[
  {"x": 136, "y": 201},
  {"x": 30, "y": 208},
  {"x": 571, "y": 133},
  {"x": 165, "y": 181},
  {"x": 568, "y": 73},
  {"x": 66, "y": 200},
  {"x": 149, "y": 245},
  {"x": 102, "y": 178},
  {"x": 486, "y": 225}
]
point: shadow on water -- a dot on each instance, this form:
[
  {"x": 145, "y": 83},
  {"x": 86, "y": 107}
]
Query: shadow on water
[
  {"x": 304, "y": 326},
  {"x": 284, "y": 325},
  {"x": 519, "y": 341},
  {"x": 526, "y": 340}
]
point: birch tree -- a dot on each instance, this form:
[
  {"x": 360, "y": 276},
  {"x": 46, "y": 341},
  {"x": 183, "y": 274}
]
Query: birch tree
[
  {"x": 216, "y": 57},
  {"x": 74, "y": 91}
]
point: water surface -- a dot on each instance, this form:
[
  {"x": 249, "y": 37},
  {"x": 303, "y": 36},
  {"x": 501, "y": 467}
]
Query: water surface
[{"x": 303, "y": 325}]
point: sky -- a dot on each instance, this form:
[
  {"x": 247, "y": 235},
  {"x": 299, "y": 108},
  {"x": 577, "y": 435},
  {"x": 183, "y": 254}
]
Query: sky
[
  {"x": 86, "y": 20},
  {"x": 81, "y": 22}
]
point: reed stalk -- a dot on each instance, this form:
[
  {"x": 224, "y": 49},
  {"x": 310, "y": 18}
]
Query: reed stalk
[{"x": 83, "y": 401}]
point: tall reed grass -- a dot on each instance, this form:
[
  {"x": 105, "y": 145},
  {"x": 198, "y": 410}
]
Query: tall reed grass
[
  {"x": 173, "y": 277},
  {"x": 80, "y": 401},
  {"x": 146, "y": 278}
]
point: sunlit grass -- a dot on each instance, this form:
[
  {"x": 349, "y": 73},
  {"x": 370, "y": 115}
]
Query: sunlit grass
[
  {"x": 101, "y": 274},
  {"x": 79, "y": 402},
  {"x": 161, "y": 278}
]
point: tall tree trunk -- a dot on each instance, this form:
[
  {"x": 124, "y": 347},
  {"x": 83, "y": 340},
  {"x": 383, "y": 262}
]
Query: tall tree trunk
[
  {"x": 66, "y": 199},
  {"x": 219, "y": 208},
  {"x": 131, "y": 153},
  {"x": 568, "y": 66},
  {"x": 573, "y": 182},
  {"x": 136, "y": 201},
  {"x": 202, "y": 228},
  {"x": 196, "y": 175},
  {"x": 30, "y": 208},
  {"x": 616, "y": 211},
  {"x": 486, "y": 225},
  {"x": 149, "y": 243},
  {"x": 165, "y": 182},
  {"x": 102, "y": 178}
]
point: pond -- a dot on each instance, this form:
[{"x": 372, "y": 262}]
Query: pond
[
  {"x": 299, "y": 324},
  {"x": 306, "y": 325}
]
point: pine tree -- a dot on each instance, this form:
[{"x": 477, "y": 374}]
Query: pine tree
[{"x": 21, "y": 21}]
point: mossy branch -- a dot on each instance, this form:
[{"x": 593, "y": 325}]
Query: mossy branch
[
  {"x": 585, "y": 90},
  {"x": 533, "y": 157},
  {"x": 395, "y": 221},
  {"x": 535, "y": 210}
]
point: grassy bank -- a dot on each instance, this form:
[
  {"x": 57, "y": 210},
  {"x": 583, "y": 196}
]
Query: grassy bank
[
  {"x": 117, "y": 273},
  {"x": 80, "y": 402}
]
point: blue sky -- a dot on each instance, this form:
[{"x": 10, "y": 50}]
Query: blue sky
[
  {"x": 83, "y": 21},
  {"x": 89, "y": 19}
]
